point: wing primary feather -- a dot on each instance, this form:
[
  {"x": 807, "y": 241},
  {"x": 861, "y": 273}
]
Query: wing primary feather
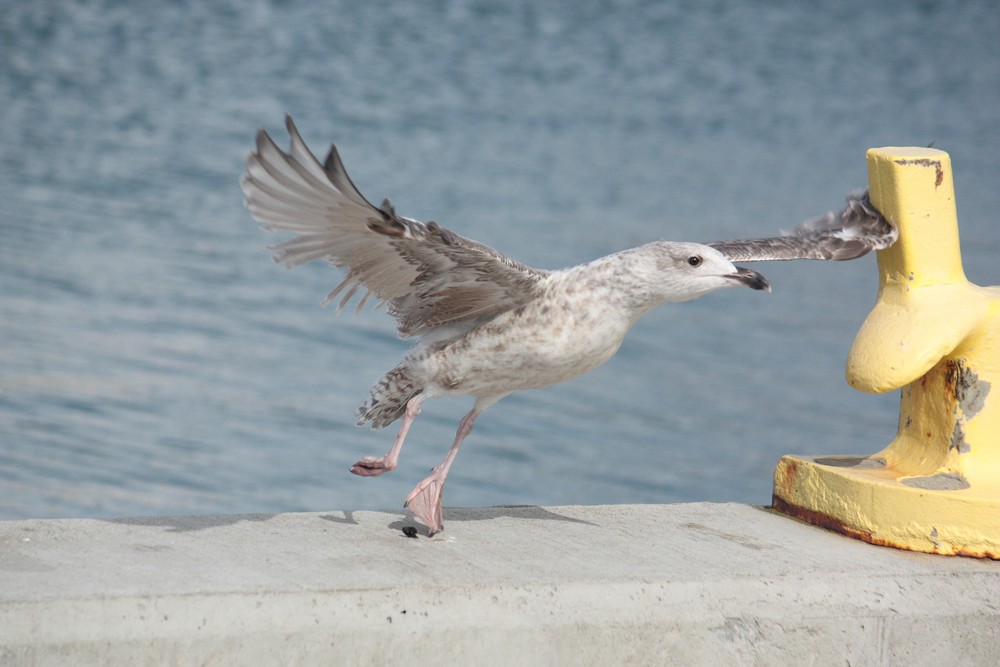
[
  {"x": 335, "y": 171},
  {"x": 301, "y": 153}
]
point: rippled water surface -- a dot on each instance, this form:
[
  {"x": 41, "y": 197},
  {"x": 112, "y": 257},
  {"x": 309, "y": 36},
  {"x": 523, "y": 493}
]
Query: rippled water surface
[{"x": 153, "y": 360}]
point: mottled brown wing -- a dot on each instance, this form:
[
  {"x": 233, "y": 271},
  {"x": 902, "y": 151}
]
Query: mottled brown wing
[
  {"x": 854, "y": 231},
  {"x": 427, "y": 276}
]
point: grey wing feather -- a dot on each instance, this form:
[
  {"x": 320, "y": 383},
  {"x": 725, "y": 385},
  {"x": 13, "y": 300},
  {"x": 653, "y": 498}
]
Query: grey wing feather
[
  {"x": 427, "y": 276},
  {"x": 855, "y": 230}
]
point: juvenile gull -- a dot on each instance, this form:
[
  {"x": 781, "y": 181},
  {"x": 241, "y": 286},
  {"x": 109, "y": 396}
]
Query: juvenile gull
[{"x": 486, "y": 325}]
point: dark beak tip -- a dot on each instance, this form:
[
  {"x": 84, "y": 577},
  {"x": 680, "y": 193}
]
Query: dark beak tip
[
  {"x": 752, "y": 279},
  {"x": 761, "y": 284}
]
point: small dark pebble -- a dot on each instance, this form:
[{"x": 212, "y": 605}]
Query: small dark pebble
[{"x": 410, "y": 531}]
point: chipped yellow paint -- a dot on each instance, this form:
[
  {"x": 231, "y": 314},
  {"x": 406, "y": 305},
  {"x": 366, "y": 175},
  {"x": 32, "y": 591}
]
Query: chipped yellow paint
[{"x": 936, "y": 337}]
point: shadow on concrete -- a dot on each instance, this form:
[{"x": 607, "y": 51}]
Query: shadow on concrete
[
  {"x": 348, "y": 518},
  {"x": 457, "y": 514},
  {"x": 184, "y": 524},
  {"x": 405, "y": 523}
]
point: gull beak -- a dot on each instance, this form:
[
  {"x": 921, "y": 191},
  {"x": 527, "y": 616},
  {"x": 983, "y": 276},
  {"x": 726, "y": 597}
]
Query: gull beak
[{"x": 750, "y": 278}]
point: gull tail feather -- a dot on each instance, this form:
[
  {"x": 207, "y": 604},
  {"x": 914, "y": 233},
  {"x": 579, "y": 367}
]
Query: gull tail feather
[{"x": 387, "y": 401}]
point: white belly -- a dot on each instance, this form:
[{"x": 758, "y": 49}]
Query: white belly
[{"x": 524, "y": 349}]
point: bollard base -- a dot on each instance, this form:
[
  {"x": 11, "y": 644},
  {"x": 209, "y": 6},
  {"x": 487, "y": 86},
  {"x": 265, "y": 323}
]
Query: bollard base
[{"x": 863, "y": 498}]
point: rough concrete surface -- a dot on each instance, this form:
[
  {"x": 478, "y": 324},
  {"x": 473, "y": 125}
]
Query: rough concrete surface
[{"x": 603, "y": 585}]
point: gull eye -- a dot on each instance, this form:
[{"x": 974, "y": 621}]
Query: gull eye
[{"x": 694, "y": 260}]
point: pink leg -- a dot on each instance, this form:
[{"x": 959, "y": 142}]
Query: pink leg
[
  {"x": 371, "y": 466},
  {"x": 425, "y": 499}
]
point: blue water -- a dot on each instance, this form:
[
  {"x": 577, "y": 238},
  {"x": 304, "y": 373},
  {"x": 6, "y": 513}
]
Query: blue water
[{"x": 154, "y": 361}]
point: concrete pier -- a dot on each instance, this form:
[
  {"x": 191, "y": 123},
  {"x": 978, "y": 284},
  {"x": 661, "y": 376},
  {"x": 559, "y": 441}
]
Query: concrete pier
[{"x": 604, "y": 585}]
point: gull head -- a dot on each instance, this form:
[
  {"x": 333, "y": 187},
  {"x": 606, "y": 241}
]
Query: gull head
[{"x": 689, "y": 270}]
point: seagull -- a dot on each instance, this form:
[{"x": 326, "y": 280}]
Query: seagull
[{"x": 486, "y": 325}]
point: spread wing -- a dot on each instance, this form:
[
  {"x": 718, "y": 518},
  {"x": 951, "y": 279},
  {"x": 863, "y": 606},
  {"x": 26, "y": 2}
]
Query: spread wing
[
  {"x": 854, "y": 231},
  {"x": 427, "y": 276}
]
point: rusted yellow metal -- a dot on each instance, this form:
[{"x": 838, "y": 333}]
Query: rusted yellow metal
[{"x": 935, "y": 336}]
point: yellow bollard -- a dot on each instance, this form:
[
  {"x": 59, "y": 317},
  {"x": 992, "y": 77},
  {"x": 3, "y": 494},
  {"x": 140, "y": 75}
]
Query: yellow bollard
[{"x": 936, "y": 336}]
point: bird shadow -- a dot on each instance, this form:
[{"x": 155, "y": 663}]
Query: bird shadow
[
  {"x": 348, "y": 518},
  {"x": 186, "y": 524},
  {"x": 410, "y": 528},
  {"x": 404, "y": 523}
]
